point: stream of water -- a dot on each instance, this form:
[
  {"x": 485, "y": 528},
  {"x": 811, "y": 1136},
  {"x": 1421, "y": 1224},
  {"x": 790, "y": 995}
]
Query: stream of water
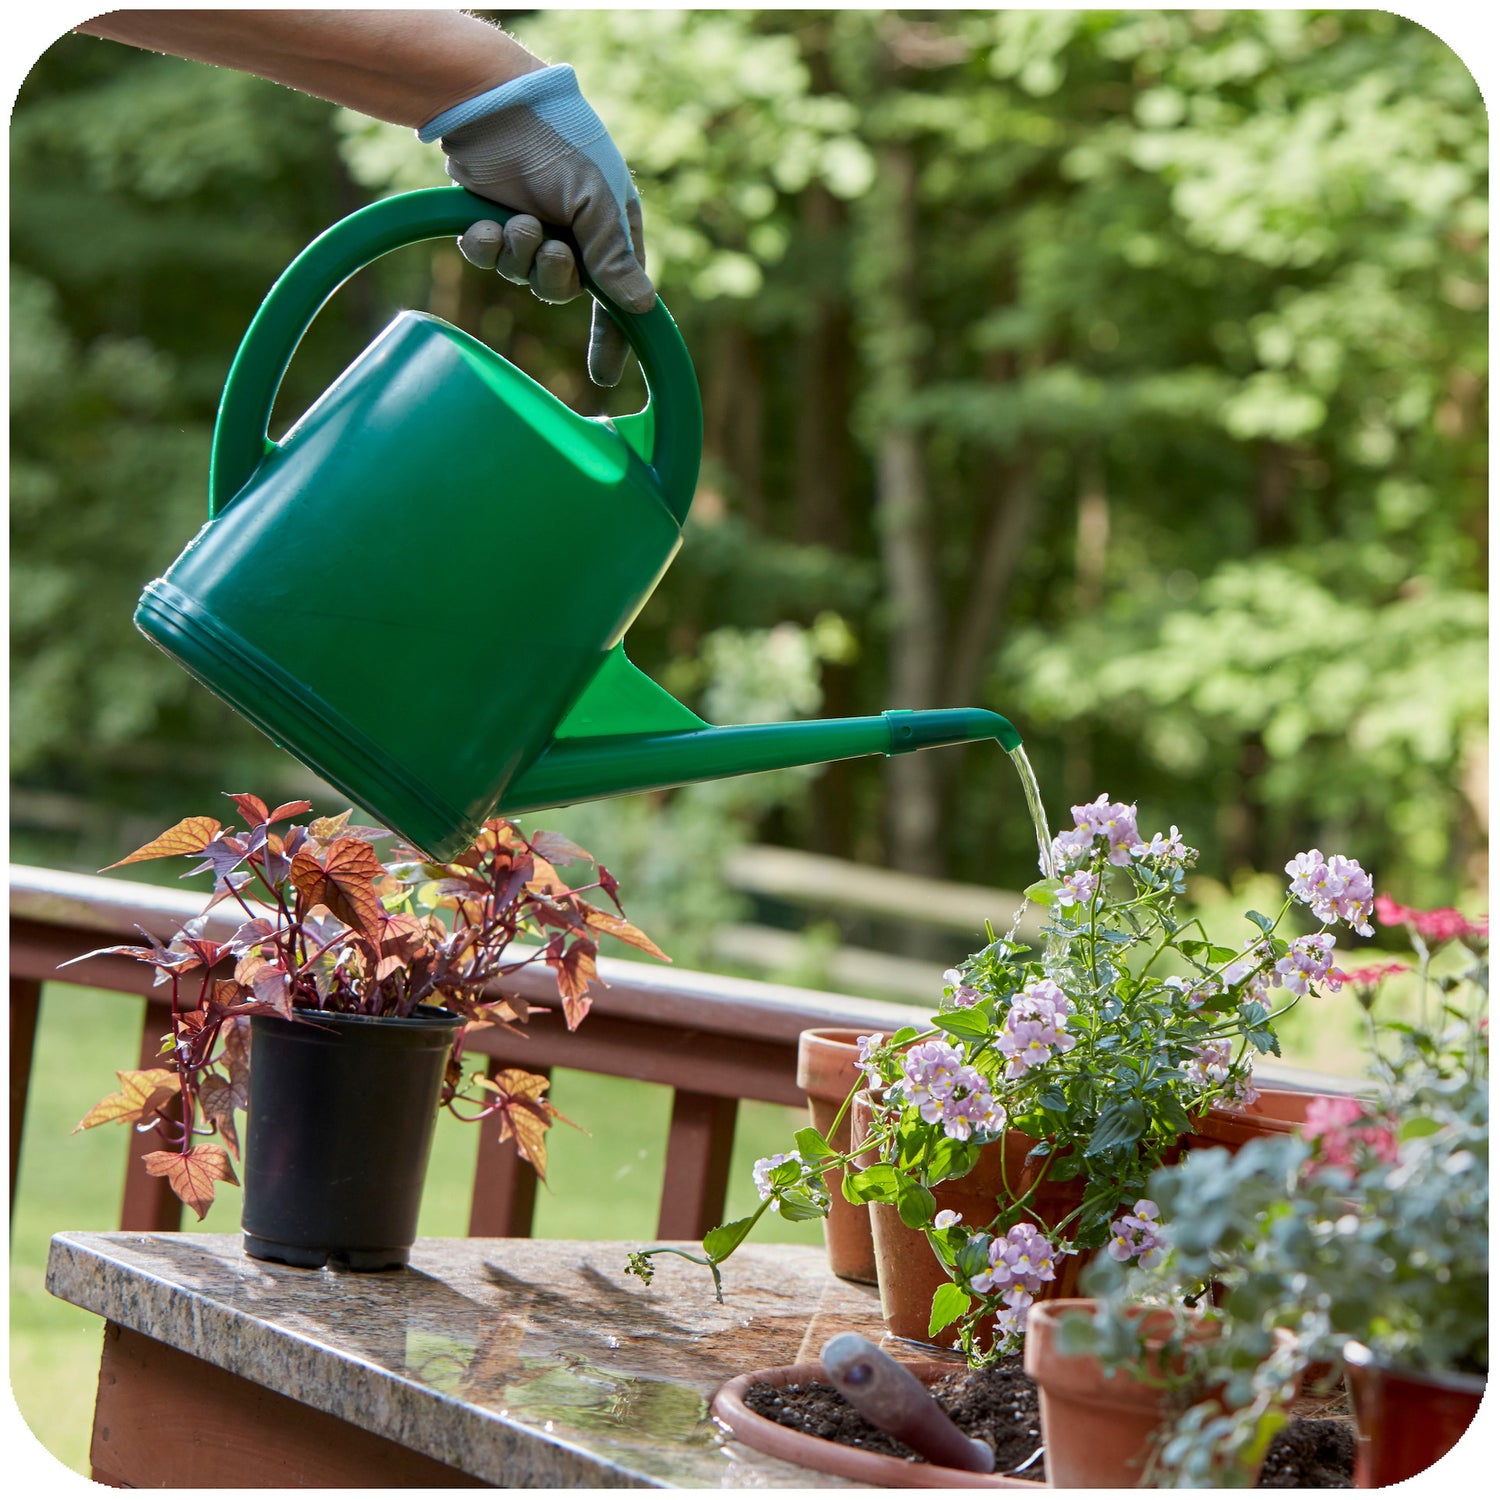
[{"x": 1038, "y": 812}]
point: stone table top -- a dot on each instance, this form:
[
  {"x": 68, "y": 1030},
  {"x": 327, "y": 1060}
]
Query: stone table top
[{"x": 522, "y": 1362}]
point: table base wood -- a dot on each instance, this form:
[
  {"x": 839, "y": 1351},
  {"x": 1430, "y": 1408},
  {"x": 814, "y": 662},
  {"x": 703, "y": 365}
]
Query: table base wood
[{"x": 169, "y": 1420}]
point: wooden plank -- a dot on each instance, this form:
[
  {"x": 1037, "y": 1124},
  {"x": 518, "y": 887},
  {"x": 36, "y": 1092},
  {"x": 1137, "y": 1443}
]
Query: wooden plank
[
  {"x": 504, "y": 1198},
  {"x": 829, "y": 884},
  {"x": 749, "y": 1069},
  {"x": 148, "y": 1203},
  {"x": 697, "y": 1174},
  {"x": 166, "y": 1419},
  {"x": 25, "y": 1007}
]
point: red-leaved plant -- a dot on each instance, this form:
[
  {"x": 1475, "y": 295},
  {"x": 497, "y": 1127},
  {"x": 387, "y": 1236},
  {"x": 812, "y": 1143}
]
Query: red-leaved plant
[{"x": 329, "y": 926}]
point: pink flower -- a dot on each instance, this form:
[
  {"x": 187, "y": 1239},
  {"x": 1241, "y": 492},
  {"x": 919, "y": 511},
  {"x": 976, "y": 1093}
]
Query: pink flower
[
  {"x": 1437, "y": 926},
  {"x": 1135, "y": 1236},
  {"x": 1368, "y": 977},
  {"x": 1338, "y": 1127}
]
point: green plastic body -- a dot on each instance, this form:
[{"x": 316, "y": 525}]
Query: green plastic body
[{"x": 421, "y": 592}]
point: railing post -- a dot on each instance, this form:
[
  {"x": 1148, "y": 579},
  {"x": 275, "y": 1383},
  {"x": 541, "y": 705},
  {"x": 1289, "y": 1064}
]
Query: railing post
[
  {"x": 697, "y": 1175},
  {"x": 149, "y": 1202},
  {"x": 25, "y": 1006},
  {"x": 504, "y": 1185}
]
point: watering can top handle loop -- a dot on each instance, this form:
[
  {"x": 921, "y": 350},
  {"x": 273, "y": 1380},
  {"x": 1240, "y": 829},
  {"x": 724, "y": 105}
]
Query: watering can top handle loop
[{"x": 240, "y": 433}]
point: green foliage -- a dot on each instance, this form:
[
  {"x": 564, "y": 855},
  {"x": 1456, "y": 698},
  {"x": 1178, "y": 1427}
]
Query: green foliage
[{"x": 1185, "y": 310}]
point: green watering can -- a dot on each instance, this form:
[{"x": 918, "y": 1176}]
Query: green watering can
[{"x": 422, "y": 591}]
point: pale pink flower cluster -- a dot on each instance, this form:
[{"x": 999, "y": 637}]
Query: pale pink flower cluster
[
  {"x": 945, "y": 1090},
  {"x": 867, "y": 1064},
  {"x": 1210, "y": 1068},
  {"x": 1337, "y": 1127},
  {"x": 1308, "y": 961},
  {"x": 1336, "y": 889},
  {"x": 1036, "y": 1027},
  {"x": 1018, "y": 1265},
  {"x": 1136, "y": 1236}
]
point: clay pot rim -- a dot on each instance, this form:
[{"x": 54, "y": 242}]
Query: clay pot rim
[
  {"x": 825, "y": 1457},
  {"x": 1365, "y": 1358}
]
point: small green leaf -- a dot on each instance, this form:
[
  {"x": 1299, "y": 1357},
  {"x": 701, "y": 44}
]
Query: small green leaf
[
  {"x": 1419, "y": 1125},
  {"x": 875, "y": 1184},
  {"x": 811, "y": 1145},
  {"x": 1120, "y": 1124},
  {"x": 906, "y": 1034},
  {"x": 1043, "y": 891},
  {"x": 720, "y": 1243},
  {"x": 970, "y": 1022},
  {"x": 1264, "y": 923},
  {"x": 915, "y": 1205},
  {"x": 949, "y": 1303}
]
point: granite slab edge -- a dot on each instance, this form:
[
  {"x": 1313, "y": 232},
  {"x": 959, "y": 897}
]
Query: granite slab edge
[{"x": 81, "y": 1270}]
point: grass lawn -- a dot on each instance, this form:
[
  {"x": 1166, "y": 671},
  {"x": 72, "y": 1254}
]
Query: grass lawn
[{"x": 603, "y": 1185}]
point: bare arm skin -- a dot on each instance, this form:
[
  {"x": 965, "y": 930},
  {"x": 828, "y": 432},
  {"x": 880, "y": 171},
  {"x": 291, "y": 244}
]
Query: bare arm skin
[{"x": 402, "y": 66}]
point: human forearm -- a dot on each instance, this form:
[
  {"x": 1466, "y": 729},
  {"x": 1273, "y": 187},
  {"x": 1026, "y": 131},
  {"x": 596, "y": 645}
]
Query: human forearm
[{"x": 404, "y": 66}]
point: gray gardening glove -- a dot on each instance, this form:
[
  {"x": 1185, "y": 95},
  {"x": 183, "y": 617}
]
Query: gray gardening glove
[{"x": 536, "y": 146}]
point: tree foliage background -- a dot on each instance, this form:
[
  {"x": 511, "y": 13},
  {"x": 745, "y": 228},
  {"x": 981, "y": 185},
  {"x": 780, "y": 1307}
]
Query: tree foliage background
[{"x": 1122, "y": 371}]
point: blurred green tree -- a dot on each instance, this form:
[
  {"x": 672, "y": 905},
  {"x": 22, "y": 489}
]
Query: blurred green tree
[{"x": 1124, "y": 371}]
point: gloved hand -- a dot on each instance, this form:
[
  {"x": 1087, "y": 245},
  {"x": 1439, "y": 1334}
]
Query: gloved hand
[{"x": 536, "y": 146}]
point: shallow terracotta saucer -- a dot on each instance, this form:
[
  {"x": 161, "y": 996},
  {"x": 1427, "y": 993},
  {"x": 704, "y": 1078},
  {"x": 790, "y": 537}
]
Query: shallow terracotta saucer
[{"x": 771, "y": 1438}]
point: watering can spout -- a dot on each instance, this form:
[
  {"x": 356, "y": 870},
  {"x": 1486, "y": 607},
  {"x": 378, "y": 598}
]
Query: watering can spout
[{"x": 586, "y": 768}]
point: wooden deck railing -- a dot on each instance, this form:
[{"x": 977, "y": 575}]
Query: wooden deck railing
[{"x": 712, "y": 1040}]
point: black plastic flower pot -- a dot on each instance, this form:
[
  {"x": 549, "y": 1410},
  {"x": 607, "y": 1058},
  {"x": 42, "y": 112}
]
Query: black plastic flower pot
[{"x": 338, "y": 1132}]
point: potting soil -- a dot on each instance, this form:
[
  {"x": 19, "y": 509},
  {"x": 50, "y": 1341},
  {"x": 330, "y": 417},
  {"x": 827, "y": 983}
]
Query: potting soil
[{"x": 1000, "y": 1405}]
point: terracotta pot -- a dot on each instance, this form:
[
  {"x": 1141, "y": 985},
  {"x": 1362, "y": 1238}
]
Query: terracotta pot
[
  {"x": 1096, "y": 1428},
  {"x": 827, "y": 1070},
  {"x": 1275, "y": 1112},
  {"x": 908, "y": 1273},
  {"x": 1406, "y": 1420},
  {"x": 766, "y": 1436}
]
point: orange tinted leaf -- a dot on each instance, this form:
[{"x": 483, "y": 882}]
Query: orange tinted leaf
[
  {"x": 191, "y": 836},
  {"x": 288, "y": 810},
  {"x": 343, "y": 879},
  {"x": 192, "y": 1175},
  {"x": 252, "y": 809},
  {"x": 219, "y": 1100},
  {"x": 618, "y": 927},
  {"x": 524, "y": 1115},
  {"x": 142, "y": 1092},
  {"x": 574, "y": 968}
]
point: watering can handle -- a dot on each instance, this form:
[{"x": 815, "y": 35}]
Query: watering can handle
[{"x": 240, "y": 433}]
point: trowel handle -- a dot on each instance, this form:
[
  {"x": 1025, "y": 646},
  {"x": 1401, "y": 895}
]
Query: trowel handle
[{"x": 240, "y": 433}]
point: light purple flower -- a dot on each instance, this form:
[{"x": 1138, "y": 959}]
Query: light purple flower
[
  {"x": 1307, "y": 961},
  {"x": 1112, "y": 821},
  {"x": 1079, "y": 887},
  {"x": 1337, "y": 889},
  {"x": 1167, "y": 846},
  {"x": 1072, "y": 848},
  {"x": 1136, "y": 1236},
  {"x": 867, "y": 1064},
  {"x": 1018, "y": 1265},
  {"x": 1250, "y": 972},
  {"x": 1210, "y": 1063},
  {"x": 946, "y": 1218},
  {"x": 959, "y": 992}
]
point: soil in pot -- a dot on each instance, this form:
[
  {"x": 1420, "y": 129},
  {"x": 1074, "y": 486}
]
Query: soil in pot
[
  {"x": 827, "y": 1070},
  {"x": 1000, "y": 1406}
]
